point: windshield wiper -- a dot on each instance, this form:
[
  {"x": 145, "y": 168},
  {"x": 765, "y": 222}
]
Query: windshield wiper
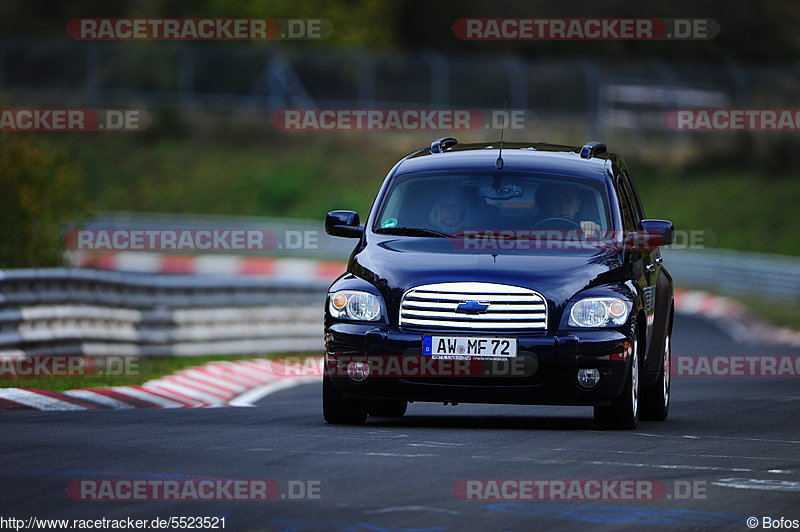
[{"x": 411, "y": 231}]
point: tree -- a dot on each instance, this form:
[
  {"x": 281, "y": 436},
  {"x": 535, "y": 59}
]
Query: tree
[{"x": 40, "y": 191}]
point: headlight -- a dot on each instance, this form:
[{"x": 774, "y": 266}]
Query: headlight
[
  {"x": 599, "y": 312},
  {"x": 355, "y": 305}
]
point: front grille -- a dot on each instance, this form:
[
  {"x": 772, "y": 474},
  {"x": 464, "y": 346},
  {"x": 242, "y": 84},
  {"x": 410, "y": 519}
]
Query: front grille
[{"x": 511, "y": 308}]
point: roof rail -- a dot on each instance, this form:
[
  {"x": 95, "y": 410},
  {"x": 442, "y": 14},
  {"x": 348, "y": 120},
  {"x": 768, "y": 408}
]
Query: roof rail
[
  {"x": 440, "y": 145},
  {"x": 590, "y": 149}
]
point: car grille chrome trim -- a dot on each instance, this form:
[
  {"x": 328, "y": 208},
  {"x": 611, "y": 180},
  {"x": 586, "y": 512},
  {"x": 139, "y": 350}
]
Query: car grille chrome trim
[{"x": 511, "y": 308}]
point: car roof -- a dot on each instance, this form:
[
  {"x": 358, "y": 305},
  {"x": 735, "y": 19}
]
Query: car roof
[{"x": 517, "y": 157}]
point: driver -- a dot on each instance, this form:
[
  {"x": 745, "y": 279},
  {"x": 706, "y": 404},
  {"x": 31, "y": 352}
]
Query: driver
[
  {"x": 450, "y": 210},
  {"x": 563, "y": 202}
]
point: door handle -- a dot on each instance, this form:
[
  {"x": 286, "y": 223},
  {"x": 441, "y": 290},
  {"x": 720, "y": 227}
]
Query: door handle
[
  {"x": 659, "y": 260},
  {"x": 650, "y": 267}
]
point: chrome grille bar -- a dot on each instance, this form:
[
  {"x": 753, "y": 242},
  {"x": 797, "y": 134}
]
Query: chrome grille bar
[{"x": 512, "y": 308}]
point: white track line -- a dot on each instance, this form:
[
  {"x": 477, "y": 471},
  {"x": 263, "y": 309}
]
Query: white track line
[{"x": 252, "y": 396}]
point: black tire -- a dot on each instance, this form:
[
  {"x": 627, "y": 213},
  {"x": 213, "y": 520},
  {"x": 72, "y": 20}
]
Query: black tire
[
  {"x": 338, "y": 410},
  {"x": 623, "y": 414},
  {"x": 655, "y": 400},
  {"x": 389, "y": 408}
]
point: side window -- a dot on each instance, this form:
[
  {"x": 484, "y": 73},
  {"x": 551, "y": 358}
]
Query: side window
[
  {"x": 632, "y": 205},
  {"x": 637, "y": 202},
  {"x": 628, "y": 219}
]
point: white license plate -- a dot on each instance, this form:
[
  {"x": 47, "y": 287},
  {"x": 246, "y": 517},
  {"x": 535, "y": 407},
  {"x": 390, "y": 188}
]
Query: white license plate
[{"x": 482, "y": 346}]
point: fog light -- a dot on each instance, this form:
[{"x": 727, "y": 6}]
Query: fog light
[
  {"x": 358, "y": 371},
  {"x": 588, "y": 378}
]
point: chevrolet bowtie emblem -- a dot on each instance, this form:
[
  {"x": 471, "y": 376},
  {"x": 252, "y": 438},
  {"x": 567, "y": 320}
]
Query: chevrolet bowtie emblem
[{"x": 472, "y": 307}]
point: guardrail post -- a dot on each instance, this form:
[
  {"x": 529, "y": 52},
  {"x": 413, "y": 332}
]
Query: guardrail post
[
  {"x": 440, "y": 78},
  {"x": 594, "y": 105},
  {"x": 518, "y": 96},
  {"x": 366, "y": 79},
  {"x": 92, "y": 73},
  {"x": 739, "y": 76},
  {"x": 669, "y": 80},
  {"x": 186, "y": 76},
  {"x": 2, "y": 65}
]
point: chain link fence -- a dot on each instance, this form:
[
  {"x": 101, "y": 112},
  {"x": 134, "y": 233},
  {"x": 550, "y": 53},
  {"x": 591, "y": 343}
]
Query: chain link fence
[{"x": 598, "y": 96}]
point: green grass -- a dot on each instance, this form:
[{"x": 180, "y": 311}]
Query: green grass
[
  {"x": 276, "y": 179},
  {"x": 144, "y": 370},
  {"x": 736, "y": 210}
]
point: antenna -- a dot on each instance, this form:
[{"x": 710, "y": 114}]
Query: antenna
[{"x": 499, "y": 162}]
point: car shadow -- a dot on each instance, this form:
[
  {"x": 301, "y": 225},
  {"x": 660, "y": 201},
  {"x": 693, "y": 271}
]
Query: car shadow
[{"x": 486, "y": 422}]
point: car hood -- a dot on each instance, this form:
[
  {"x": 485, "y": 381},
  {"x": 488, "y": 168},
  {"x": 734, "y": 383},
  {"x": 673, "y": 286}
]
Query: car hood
[{"x": 394, "y": 265}]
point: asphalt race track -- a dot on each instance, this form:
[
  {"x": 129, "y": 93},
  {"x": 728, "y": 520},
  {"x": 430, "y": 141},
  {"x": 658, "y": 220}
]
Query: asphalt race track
[{"x": 729, "y": 450}]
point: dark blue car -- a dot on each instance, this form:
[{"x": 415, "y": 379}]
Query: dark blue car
[{"x": 526, "y": 274}]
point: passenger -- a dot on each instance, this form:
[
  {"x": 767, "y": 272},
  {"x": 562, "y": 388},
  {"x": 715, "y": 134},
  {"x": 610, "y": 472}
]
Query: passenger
[{"x": 449, "y": 210}]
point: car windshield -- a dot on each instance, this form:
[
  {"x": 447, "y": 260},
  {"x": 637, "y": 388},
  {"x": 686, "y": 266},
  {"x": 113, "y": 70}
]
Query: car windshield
[{"x": 441, "y": 205}]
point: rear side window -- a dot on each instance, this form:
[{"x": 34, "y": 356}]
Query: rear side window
[{"x": 629, "y": 216}]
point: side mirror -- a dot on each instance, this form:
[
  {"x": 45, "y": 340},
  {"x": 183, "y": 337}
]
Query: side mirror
[
  {"x": 343, "y": 223},
  {"x": 661, "y": 231}
]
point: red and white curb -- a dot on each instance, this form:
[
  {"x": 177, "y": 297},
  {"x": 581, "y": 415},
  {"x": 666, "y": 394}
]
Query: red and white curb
[
  {"x": 700, "y": 303},
  {"x": 146, "y": 262},
  {"x": 214, "y": 384},
  {"x": 732, "y": 316}
]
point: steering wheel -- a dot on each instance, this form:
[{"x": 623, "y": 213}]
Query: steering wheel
[{"x": 557, "y": 219}]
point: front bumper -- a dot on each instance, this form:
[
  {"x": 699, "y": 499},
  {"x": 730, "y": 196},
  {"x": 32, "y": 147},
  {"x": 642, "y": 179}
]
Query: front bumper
[{"x": 544, "y": 371}]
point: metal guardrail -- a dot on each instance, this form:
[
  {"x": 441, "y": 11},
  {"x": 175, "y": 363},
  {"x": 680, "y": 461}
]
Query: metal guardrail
[
  {"x": 98, "y": 313},
  {"x": 736, "y": 273}
]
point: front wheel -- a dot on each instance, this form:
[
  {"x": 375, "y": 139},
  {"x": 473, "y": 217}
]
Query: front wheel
[
  {"x": 624, "y": 411},
  {"x": 655, "y": 400},
  {"x": 338, "y": 410}
]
